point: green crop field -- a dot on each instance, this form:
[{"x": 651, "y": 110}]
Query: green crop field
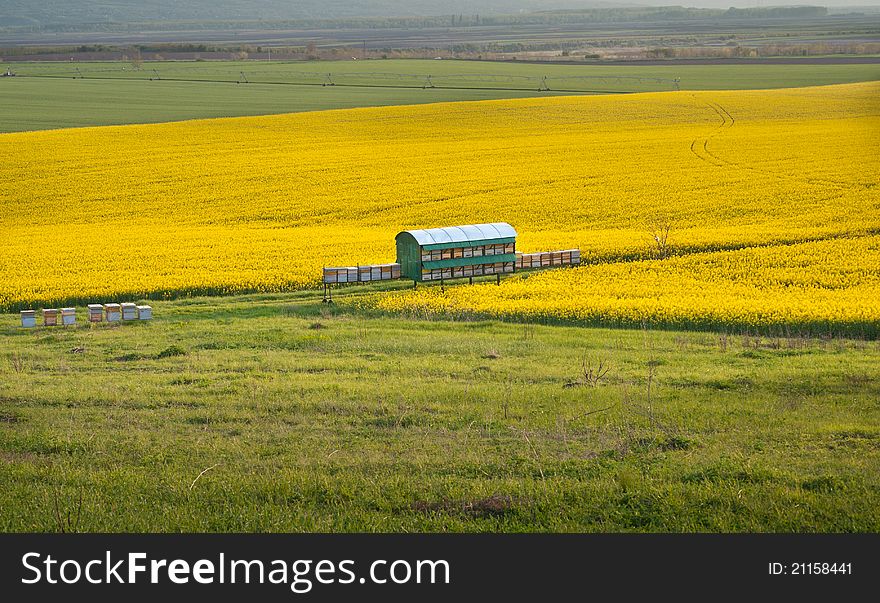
[
  {"x": 87, "y": 94},
  {"x": 277, "y": 413}
]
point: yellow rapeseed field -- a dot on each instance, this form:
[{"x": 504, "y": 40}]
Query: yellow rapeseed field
[
  {"x": 827, "y": 286},
  {"x": 261, "y": 203}
]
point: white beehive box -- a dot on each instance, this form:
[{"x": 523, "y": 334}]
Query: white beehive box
[
  {"x": 28, "y": 318},
  {"x": 96, "y": 312},
  {"x": 145, "y": 312},
  {"x": 113, "y": 312},
  {"x": 50, "y": 317},
  {"x": 68, "y": 316},
  {"x": 129, "y": 311}
]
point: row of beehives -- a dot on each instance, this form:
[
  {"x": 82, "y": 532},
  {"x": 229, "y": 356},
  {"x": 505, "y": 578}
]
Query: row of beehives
[
  {"x": 452, "y": 253},
  {"x": 97, "y": 313},
  {"x": 362, "y": 274},
  {"x": 438, "y": 274},
  {"x": 547, "y": 258}
]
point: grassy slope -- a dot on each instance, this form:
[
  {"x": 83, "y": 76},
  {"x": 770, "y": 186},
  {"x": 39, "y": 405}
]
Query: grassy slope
[
  {"x": 28, "y": 104},
  {"x": 390, "y": 424},
  {"x": 31, "y": 104}
]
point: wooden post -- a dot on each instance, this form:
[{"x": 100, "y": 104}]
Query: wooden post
[{"x": 497, "y": 279}]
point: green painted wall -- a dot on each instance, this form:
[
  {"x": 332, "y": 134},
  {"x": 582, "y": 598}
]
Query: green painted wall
[{"x": 409, "y": 256}]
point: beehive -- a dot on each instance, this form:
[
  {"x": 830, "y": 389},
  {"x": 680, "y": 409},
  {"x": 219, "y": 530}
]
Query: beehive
[
  {"x": 112, "y": 312},
  {"x": 361, "y": 274},
  {"x": 145, "y": 312},
  {"x": 28, "y": 318},
  {"x": 96, "y": 312},
  {"x": 129, "y": 311},
  {"x": 68, "y": 316},
  {"x": 546, "y": 259},
  {"x": 50, "y": 317}
]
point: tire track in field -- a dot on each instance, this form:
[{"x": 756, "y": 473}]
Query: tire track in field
[{"x": 700, "y": 148}]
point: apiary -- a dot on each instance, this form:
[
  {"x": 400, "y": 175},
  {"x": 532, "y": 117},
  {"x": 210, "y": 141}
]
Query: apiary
[{"x": 456, "y": 251}]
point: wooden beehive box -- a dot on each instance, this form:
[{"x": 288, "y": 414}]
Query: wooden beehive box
[
  {"x": 50, "y": 317},
  {"x": 96, "y": 312},
  {"x": 144, "y": 312}
]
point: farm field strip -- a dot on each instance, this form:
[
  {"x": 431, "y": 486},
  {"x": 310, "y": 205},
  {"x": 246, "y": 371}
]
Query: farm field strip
[
  {"x": 54, "y": 95},
  {"x": 260, "y": 204}
]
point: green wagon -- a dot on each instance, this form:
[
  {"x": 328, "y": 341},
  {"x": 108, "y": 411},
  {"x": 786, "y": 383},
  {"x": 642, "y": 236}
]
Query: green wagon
[{"x": 437, "y": 254}]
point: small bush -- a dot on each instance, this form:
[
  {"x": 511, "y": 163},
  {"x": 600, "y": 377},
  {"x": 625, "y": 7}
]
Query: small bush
[{"x": 174, "y": 350}]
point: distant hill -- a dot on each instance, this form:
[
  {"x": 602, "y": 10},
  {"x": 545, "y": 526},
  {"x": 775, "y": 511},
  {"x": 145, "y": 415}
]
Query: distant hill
[
  {"x": 86, "y": 15},
  {"x": 71, "y": 12}
]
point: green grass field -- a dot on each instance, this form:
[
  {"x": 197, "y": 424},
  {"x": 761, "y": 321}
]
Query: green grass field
[
  {"x": 277, "y": 413},
  {"x": 128, "y": 96}
]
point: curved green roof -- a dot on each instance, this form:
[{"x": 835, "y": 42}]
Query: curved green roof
[{"x": 461, "y": 234}]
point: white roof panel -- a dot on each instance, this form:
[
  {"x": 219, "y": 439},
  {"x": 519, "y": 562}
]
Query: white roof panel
[{"x": 463, "y": 234}]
